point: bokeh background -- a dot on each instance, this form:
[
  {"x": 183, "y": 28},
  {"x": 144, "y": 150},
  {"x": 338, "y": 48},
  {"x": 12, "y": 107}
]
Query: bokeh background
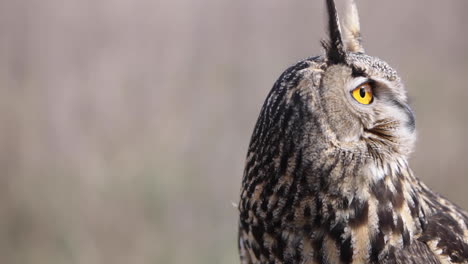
[{"x": 125, "y": 123}]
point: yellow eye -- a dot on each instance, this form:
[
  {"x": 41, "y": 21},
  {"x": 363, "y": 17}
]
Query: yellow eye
[{"x": 363, "y": 93}]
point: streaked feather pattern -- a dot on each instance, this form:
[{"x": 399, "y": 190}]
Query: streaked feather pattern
[{"x": 328, "y": 181}]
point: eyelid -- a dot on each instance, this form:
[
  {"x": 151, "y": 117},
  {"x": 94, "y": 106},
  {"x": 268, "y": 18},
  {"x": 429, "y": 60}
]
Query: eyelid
[{"x": 359, "y": 81}]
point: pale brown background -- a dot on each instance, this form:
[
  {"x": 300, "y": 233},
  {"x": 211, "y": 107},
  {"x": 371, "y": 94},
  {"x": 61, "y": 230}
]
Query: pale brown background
[{"x": 125, "y": 123}]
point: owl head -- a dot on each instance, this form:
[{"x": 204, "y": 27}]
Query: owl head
[
  {"x": 363, "y": 99},
  {"x": 344, "y": 102}
]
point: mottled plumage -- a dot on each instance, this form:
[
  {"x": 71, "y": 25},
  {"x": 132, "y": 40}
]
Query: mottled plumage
[{"x": 327, "y": 178}]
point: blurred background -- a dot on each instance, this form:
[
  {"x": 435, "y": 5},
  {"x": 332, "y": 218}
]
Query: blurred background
[{"x": 124, "y": 124}]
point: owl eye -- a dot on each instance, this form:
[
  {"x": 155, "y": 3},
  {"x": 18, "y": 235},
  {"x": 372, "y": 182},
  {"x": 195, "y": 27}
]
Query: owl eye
[{"x": 363, "y": 93}]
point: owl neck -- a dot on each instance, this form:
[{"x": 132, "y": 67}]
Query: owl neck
[
  {"x": 343, "y": 207},
  {"x": 367, "y": 209}
]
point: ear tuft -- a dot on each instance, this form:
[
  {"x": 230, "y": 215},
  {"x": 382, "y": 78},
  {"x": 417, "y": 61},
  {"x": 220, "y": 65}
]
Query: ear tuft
[
  {"x": 352, "y": 29},
  {"x": 335, "y": 49}
]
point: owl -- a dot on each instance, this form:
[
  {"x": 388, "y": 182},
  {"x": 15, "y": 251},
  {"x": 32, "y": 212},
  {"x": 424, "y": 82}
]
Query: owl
[{"x": 327, "y": 178}]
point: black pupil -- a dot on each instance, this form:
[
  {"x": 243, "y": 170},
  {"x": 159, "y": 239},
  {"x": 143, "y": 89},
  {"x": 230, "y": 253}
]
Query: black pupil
[{"x": 362, "y": 92}]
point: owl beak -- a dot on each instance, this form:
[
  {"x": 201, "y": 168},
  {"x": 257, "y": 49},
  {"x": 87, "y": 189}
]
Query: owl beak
[{"x": 335, "y": 49}]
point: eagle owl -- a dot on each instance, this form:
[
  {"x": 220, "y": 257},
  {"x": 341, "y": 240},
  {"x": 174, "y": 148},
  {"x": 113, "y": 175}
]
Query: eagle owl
[{"x": 327, "y": 178}]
